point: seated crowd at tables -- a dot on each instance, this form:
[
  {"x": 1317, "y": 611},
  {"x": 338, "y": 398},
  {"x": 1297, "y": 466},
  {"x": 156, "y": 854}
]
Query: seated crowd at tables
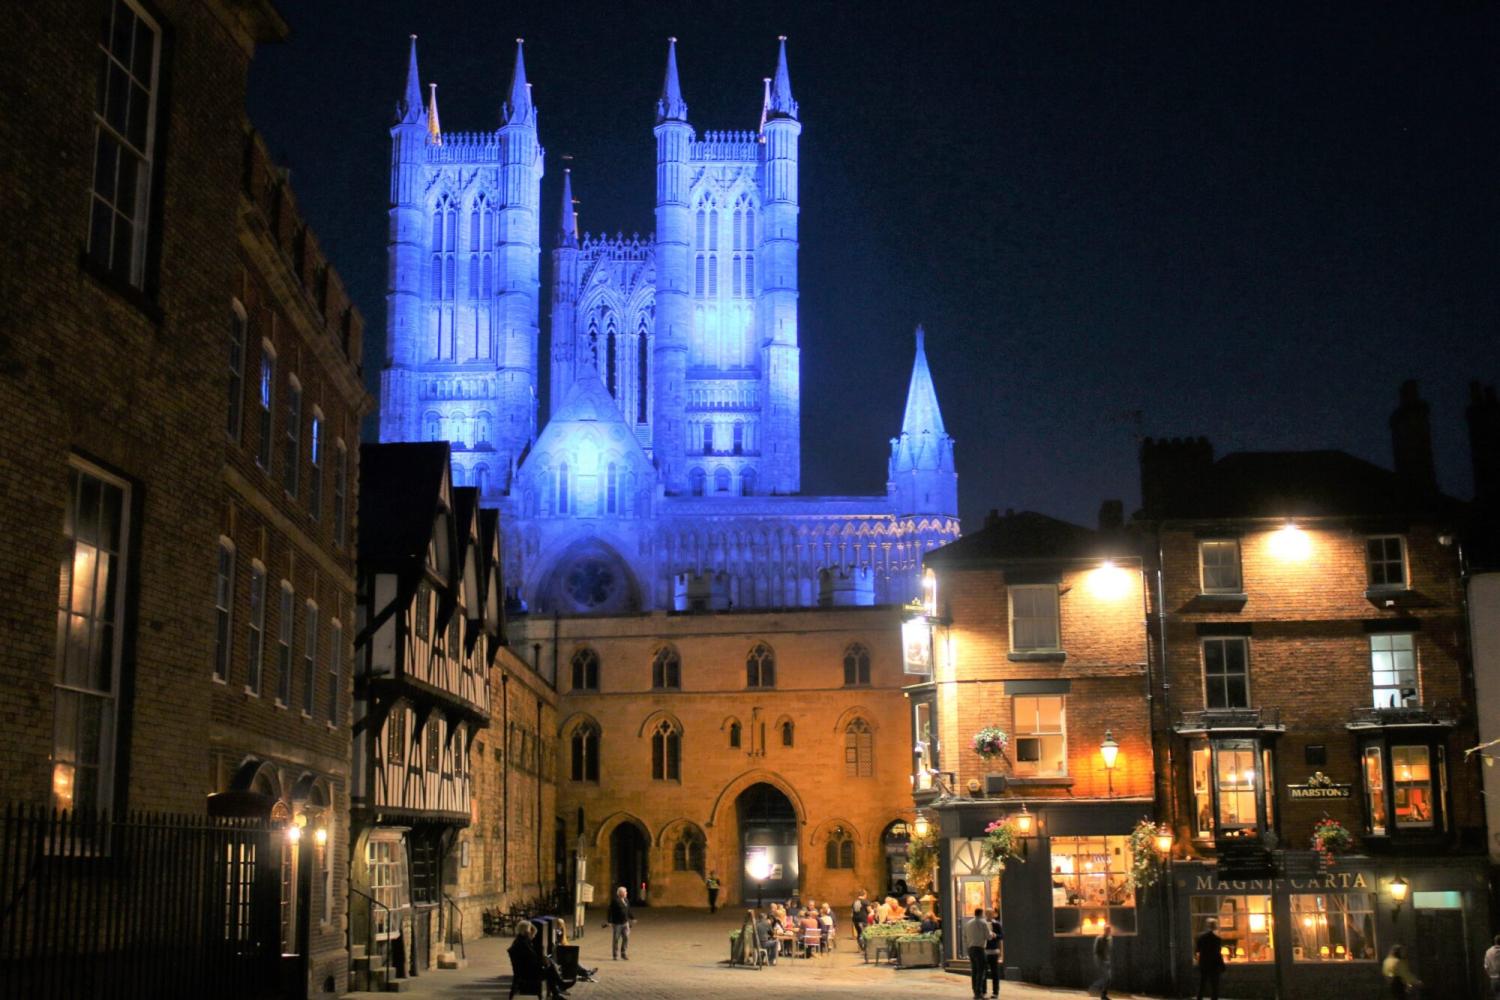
[{"x": 780, "y": 930}]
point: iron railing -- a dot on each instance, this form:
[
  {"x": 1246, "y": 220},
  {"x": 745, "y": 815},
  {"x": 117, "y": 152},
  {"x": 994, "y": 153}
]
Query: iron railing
[{"x": 1208, "y": 719}]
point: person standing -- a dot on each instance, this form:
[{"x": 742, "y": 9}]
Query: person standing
[
  {"x": 1398, "y": 974},
  {"x": 994, "y": 953},
  {"x": 976, "y": 939},
  {"x": 1492, "y": 967},
  {"x": 1104, "y": 955},
  {"x": 620, "y": 920},
  {"x": 858, "y": 912},
  {"x": 712, "y": 882},
  {"x": 1210, "y": 960}
]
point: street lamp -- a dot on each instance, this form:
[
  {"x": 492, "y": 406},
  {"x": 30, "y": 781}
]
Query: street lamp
[
  {"x": 1110, "y": 749},
  {"x": 1398, "y": 889},
  {"x": 1024, "y": 821},
  {"x": 1164, "y": 840},
  {"x": 920, "y": 825}
]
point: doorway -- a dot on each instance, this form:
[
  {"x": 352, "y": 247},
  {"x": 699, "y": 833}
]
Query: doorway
[
  {"x": 628, "y": 859},
  {"x": 768, "y": 844},
  {"x": 895, "y": 848},
  {"x": 1441, "y": 957}
]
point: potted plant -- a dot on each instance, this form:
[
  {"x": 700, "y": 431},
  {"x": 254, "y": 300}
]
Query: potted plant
[
  {"x": 916, "y": 950},
  {"x": 1331, "y": 838},
  {"x": 922, "y": 858},
  {"x": 990, "y": 743},
  {"x": 882, "y": 937},
  {"x": 1146, "y": 863},
  {"x": 1002, "y": 843}
]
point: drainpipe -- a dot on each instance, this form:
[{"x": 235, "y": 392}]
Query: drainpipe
[
  {"x": 505, "y": 783},
  {"x": 1171, "y": 789}
]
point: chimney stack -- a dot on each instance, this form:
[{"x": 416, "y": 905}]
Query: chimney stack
[
  {"x": 1484, "y": 443},
  {"x": 1112, "y": 516},
  {"x": 1174, "y": 474},
  {"x": 1411, "y": 443}
]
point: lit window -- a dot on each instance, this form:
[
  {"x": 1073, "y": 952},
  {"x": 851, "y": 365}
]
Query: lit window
[
  {"x": 291, "y": 449},
  {"x": 91, "y": 619},
  {"x": 1245, "y": 926},
  {"x": 839, "y": 851},
  {"x": 1226, "y": 673},
  {"x": 859, "y": 750},
  {"x": 1385, "y": 555},
  {"x": 760, "y": 667},
  {"x": 1233, "y": 789},
  {"x": 1411, "y": 787},
  {"x": 396, "y": 736},
  {"x": 1334, "y": 927},
  {"x": 1235, "y": 782},
  {"x": 255, "y": 645},
  {"x": 585, "y": 670},
  {"x": 666, "y": 753},
  {"x": 666, "y": 669},
  {"x": 1041, "y": 735},
  {"x": 310, "y": 658},
  {"x": 1219, "y": 560},
  {"x": 223, "y": 610},
  {"x": 1033, "y": 618},
  {"x": 1091, "y": 886},
  {"x": 284, "y": 645},
  {"x": 1375, "y": 802},
  {"x": 1393, "y": 670},
  {"x": 124, "y": 142},
  {"x": 266, "y": 397},
  {"x": 315, "y": 460},
  {"x": 237, "y": 331},
  {"x": 856, "y": 665},
  {"x": 585, "y": 747}
]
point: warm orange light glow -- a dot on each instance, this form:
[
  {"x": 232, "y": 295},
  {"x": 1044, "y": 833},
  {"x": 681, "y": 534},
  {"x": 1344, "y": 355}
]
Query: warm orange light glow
[
  {"x": 62, "y": 785},
  {"x": 929, "y": 593},
  {"x": 1399, "y": 886},
  {"x": 293, "y": 833},
  {"x": 1109, "y": 582},
  {"x": 1291, "y": 543},
  {"x": 1164, "y": 840},
  {"x": 1323, "y": 950},
  {"x": 321, "y": 836},
  {"x": 1110, "y": 749},
  {"x": 1257, "y": 922},
  {"x": 920, "y": 826},
  {"x": 1024, "y": 821}
]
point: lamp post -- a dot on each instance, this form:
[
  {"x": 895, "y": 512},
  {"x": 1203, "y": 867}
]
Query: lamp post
[
  {"x": 1163, "y": 842},
  {"x": 1110, "y": 750},
  {"x": 759, "y": 869}
]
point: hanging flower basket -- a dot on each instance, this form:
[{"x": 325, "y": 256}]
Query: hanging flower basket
[
  {"x": 1331, "y": 838},
  {"x": 1001, "y": 844},
  {"x": 991, "y": 742},
  {"x": 1146, "y": 864}
]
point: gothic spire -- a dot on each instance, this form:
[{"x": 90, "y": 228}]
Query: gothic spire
[
  {"x": 922, "y": 413},
  {"x": 765, "y": 102},
  {"x": 671, "y": 106},
  {"x": 567, "y": 223},
  {"x": 409, "y": 108},
  {"x": 434, "y": 127},
  {"x": 782, "y": 105},
  {"x": 518, "y": 109}
]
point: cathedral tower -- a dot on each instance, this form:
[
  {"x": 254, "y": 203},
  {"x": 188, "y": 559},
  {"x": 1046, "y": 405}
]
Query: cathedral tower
[
  {"x": 399, "y": 410},
  {"x": 776, "y": 304},
  {"x": 674, "y": 139}
]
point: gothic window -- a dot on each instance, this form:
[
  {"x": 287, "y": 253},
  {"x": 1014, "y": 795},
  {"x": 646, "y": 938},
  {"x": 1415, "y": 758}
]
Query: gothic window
[
  {"x": 859, "y": 750},
  {"x": 585, "y": 670},
  {"x": 643, "y": 349},
  {"x": 437, "y": 229},
  {"x": 749, "y": 229},
  {"x": 666, "y": 669},
  {"x": 696, "y": 478},
  {"x": 474, "y": 277},
  {"x": 721, "y": 480},
  {"x": 666, "y": 752},
  {"x": 437, "y": 276},
  {"x": 739, "y": 437},
  {"x": 747, "y": 483},
  {"x": 839, "y": 851},
  {"x": 760, "y": 667},
  {"x": 481, "y": 427},
  {"x": 687, "y": 853},
  {"x": 562, "y": 488},
  {"x": 698, "y": 275},
  {"x": 713, "y": 277},
  {"x": 450, "y": 227},
  {"x": 856, "y": 665},
  {"x": 594, "y": 341},
  {"x": 585, "y": 747},
  {"x": 612, "y": 489},
  {"x": 749, "y": 274},
  {"x": 702, "y": 220},
  {"x": 739, "y": 229},
  {"x": 474, "y": 228},
  {"x": 713, "y": 230},
  {"x": 734, "y": 735},
  {"x": 738, "y": 288},
  {"x": 611, "y": 362},
  {"x": 449, "y": 277},
  {"x": 488, "y": 269},
  {"x": 788, "y": 733}
]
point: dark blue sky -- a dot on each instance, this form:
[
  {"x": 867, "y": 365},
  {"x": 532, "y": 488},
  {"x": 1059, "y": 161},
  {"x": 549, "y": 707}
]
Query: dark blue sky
[{"x": 1245, "y": 221}]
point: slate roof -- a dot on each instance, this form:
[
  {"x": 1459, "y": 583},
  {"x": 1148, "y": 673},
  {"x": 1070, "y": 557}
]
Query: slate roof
[{"x": 1028, "y": 537}]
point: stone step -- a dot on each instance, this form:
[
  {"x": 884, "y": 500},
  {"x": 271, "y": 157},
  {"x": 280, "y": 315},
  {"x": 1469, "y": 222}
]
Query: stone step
[{"x": 397, "y": 984}]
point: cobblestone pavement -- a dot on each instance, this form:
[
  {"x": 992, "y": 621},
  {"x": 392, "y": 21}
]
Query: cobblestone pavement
[{"x": 683, "y": 953}]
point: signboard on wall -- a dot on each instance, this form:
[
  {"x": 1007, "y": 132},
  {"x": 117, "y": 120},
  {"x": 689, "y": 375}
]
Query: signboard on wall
[
  {"x": 1320, "y": 786},
  {"x": 916, "y": 646}
]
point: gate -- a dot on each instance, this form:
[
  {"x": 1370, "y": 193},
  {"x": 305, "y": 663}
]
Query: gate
[{"x": 148, "y": 905}]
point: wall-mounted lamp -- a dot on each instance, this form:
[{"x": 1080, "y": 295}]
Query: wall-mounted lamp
[
  {"x": 321, "y": 836},
  {"x": 293, "y": 833},
  {"x": 920, "y": 825},
  {"x": 1398, "y": 889},
  {"x": 1110, "y": 749},
  {"x": 1290, "y": 543},
  {"x": 1024, "y": 821}
]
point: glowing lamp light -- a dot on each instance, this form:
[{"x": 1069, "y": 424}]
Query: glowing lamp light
[
  {"x": 920, "y": 826},
  {"x": 760, "y": 869},
  {"x": 1164, "y": 840},
  {"x": 1307, "y": 922},
  {"x": 1240, "y": 953},
  {"x": 1257, "y": 922},
  {"x": 1339, "y": 950},
  {"x": 1224, "y": 951},
  {"x": 929, "y": 594},
  {"x": 1024, "y": 821},
  {"x": 1323, "y": 950},
  {"x": 1109, "y": 582},
  {"x": 1291, "y": 543},
  {"x": 321, "y": 836},
  {"x": 1398, "y": 889},
  {"x": 1110, "y": 749},
  {"x": 293, "y": 833}
]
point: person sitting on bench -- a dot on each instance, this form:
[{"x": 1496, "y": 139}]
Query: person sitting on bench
[{"x": 529, "y": 968}]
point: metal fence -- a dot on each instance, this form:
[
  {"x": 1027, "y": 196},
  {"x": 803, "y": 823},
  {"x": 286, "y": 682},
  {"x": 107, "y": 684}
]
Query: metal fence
[{"x": 145, "y": 905}]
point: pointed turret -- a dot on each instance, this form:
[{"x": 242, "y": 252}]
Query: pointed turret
[
  {"x": 567, "y": 220},
  {"x": 781, "y": 104},
  {"x": 922, "y": 413},
  {"x": 434, "y": 127},
  {"x": 518, "y": 109},
  {"x": 409, "y": 108},
  {"x": 765, "y": 102},
  {"x": 671, "y": 106}
]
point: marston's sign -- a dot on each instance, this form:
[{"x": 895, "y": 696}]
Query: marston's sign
[
  {"x": 1327, "y": 880},
  {"x": 1319, "y": 786}
]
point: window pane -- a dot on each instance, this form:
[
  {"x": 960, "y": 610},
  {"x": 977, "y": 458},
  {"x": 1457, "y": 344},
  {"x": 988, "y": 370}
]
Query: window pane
[
  {"x": 1412, "y": 786},
  {"x": 1336, "y": 927},
  {"x": 1245, "y": 925},
  {"x": 1090, "y": 885}
]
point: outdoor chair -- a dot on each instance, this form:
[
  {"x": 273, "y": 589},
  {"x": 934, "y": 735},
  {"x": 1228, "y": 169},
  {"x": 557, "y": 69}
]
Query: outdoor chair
[{"x": 812, "y": 940}]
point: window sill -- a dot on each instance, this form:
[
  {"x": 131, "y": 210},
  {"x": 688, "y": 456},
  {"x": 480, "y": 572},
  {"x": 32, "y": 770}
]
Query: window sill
[
  {"x": 1217, "y": 602},
  {"x": 1037, "y": 656},
  {"x": 1042, "y": 781},
  {"x": 122, "y": 290}
]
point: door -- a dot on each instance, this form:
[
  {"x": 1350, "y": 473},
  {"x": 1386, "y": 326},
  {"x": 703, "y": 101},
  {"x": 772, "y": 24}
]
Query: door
[
  {"x": 628, "y": 848},
  {"x": 1441, "y": 957}
]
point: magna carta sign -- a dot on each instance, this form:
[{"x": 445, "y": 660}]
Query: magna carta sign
[{"x": 1319, "y": 786}]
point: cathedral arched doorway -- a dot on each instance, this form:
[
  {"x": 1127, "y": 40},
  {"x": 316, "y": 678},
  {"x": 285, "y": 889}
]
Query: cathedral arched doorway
[
  {"x": 629, "y": 860},
  {"x": 895, "y": 846},
  {"x": 768, "y": 843}
]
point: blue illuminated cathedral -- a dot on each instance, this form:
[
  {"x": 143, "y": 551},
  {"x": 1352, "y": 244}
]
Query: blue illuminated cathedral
[{"x": 667, "y": 472}]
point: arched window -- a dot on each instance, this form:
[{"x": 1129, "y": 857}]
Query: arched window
[
  {"x": 760, "y": 667},
  {"x": 643, "y": 351},
  {"x": 437, "y": 229},
  {"x": 434, "y": 427},
  {"x": 611, "y": 363},
  {"x": 749, "y": 229},
  {"x": 450, "y": 227},
  {"x": 739, "y": 229},
  {"x": 594, "y": 341},
  {"x": 859, "y": 750},
  {"x": 562, "y": 487},
  {"x": 697, "y": 478},
  {"x": 749, "y": 274},
  {"x": 449, "y": 279},
  {"x": 734, "y": 735},
  {"x": 698, "y": 275},
  {"x": 839, "y": 851},
  {"x": 666, "y": 752},
  {"x": 481, "y": 476},
  {"x": 612, "y": 489},
  {"x": 666, "y": 669},
  {"x": 721, "y": 480},
  {"x": 713, "y": 230},
  {"x": 474, "y": 287},
  {"x": 856, "y": 665},
  {"x": 488, "y": 268},
  {"x": 738, "y": 290},
  {"x": 713, "y": 277},
  {"x": 687, "y": 853},
  {"x": 701, "y": 228},
  {"x": 788, "y": 733},
  {"x": 586, "y": 753},
  {"x": 585, "y": 670},
  {"x": 747, "y": 483},
  {"x": 474, "y": 227}
]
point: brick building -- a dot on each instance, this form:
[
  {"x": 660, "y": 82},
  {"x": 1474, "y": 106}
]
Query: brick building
[
  {"x": 1035, "y": 627},
  {"x": 699, "y": 742},
  {"x": 1308, "y": 610}
]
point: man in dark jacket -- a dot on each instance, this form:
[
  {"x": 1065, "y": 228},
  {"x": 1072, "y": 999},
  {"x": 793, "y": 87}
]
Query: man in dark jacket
[
  {"x": 619, "y": 924},
  {"x": 858, "y": 913},
  {"x": 527, "y": 964},
  {"x": 1210, "y": 960}
]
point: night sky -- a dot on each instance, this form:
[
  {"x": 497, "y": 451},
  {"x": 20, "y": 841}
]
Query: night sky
[{"x": 1246, "y": 221}]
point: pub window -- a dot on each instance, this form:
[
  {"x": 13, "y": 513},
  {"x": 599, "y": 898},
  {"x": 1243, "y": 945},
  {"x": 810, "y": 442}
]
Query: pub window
[
  {"x": 1245, "y": 926},
  {"x": 585, "y": 670},
  {"x": 924, "y": 750},
  {"x": 585, "y": 753},
  {"x": 1334, "y": 927},
  {"x": 856, "y": 665},
  {"x": 666, "y": 753},
  {"x": 1375, "y": 801},
  {"x": 1219, "y": 564},
  {"x": 1393, "y": 670},
  {"x": 666, "y": 669},
  {"x": 1041, "y": 735},
  {"x": 1411, "y": 786},
  {"x": 839, "y": 851},
  {"x": 1091, "y": 886},
  {"x": 1226, "y": 673},
  {"x": 1033, "y": 618},
  {"x": 1385, "y": 558},
  {"x": 1233, "y": 790}
]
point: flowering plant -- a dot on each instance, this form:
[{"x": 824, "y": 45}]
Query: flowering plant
[
  {"x": 1331, "y": 837},
  {"x": 991, "y": 741},
  {"x": 1145, "y": 863},
  {"x": 922, "y": 857},
  {"x": 1001, "y": 843}
]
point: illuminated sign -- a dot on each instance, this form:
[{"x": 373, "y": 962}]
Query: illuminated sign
[{"x": 916, "y": 646}]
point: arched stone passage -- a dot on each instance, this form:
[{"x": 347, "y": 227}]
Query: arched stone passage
[{"x": 767, "y": 823}]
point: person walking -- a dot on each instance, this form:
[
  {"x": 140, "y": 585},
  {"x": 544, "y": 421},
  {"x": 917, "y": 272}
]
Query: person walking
[
  {"x": 619, "y": 925},
  {"x": 976, "y": 939},
  {"x": 1398, "y": 974},
  {"x": 1492, "y": 967},
  {"x": 994, "y": 953},
  {"x": 1104, "y": 954},
  {"x": 712, "y": 882},
  {"x": 1210, "y": 960}
]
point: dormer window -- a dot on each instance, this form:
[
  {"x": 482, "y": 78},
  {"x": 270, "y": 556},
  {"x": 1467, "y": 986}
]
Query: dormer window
[{"x": 1385, "y": 558}]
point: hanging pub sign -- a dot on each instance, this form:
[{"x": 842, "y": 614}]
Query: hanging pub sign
[
  {"x": 916, "y": 645},
  {"x": 1319, "y": 786}
]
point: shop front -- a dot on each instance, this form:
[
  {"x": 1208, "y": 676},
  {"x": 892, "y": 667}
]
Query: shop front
[{"x": 1327, "y": 931}]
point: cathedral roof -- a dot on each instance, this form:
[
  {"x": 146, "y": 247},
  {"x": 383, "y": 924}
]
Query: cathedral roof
[{"x": 922, "y": 413}]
